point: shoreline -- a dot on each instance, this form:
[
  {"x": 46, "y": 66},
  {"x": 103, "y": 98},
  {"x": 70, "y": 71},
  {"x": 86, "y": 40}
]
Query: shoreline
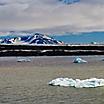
[{"x": 56, "y": 50}]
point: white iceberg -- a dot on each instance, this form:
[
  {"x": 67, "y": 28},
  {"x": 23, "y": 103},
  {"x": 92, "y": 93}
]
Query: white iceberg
[
  {"x": 23, "y": 59},
  {"x": 63, "y": 82},
  {"x": 77, "y": 83},
  {"x": 79, "y": 60}
]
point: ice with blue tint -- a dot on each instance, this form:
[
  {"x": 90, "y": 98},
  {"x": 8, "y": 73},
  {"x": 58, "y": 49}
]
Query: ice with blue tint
[
  {"x": 79, "y": 60},
  {"x": 23, "y": 59},
  {"x": 69, "y": 1}
]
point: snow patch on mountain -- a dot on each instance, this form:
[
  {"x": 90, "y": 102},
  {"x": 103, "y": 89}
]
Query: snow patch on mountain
[{"x": 29, "y": 38}]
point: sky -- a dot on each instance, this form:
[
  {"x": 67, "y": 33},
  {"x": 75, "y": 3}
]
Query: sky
[{"x": 52, "y": 15}]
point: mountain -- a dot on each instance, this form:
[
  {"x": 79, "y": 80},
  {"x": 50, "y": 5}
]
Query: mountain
[{"x": 28, "y": 38}]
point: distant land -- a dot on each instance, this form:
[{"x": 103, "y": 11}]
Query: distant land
[
  {"x": 39, "y": 44},
  {"x": 66, "y": 37}
]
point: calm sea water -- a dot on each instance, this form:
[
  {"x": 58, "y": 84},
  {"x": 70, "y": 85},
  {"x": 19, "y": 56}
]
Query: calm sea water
[
  {"x": 27, "y": 82},
  {"x": 70, "y": 58},
  {"x": 85, "y": 37}
]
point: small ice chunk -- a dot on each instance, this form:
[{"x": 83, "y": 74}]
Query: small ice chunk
[
  {"x": 79, "y": 60},
  {"x": 23, "y": 60}
]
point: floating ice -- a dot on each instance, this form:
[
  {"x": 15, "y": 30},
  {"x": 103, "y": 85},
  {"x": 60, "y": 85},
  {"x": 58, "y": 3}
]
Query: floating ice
[
  {"x": 23, "y": 59},
  {"x": 79, "y": 60},
  {"x": 103, "y": 59},
  {"x": 77, "y": 83},
  {"x": 69, "y": 1},
  {"x": 63, "y": 82}
]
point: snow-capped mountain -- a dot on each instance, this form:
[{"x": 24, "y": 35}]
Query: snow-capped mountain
[
  {"x": 41, "y": 39},
  {"x": 69, "y": 1},
  {"x": 29, "y": 38}
]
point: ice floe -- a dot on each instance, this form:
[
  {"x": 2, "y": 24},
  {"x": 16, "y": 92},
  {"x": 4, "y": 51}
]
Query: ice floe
[
  {"x": 69, "y": 1},
  {"x": 79, "y": 60},
  {"x": 77, "y": 83},
  {"x": 23, "y": 59}
]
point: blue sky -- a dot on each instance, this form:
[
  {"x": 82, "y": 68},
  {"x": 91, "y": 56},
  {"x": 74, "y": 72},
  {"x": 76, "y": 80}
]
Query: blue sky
[{"x": 52, "y": 15}]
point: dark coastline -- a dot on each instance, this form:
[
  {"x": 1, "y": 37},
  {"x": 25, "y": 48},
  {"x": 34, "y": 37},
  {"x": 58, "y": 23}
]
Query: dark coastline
[{"x": 55, "y": 50}]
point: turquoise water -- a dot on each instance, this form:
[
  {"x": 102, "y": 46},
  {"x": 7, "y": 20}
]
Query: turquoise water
[{"x": 86, "y": 37}]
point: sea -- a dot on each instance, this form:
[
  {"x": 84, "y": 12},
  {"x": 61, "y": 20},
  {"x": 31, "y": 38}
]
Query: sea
[
  {"x": 26, "y": 82},
  {"x": 81, "y": 37}
]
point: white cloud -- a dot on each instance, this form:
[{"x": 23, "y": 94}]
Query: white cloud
[{"x": 27, "y": 14}]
